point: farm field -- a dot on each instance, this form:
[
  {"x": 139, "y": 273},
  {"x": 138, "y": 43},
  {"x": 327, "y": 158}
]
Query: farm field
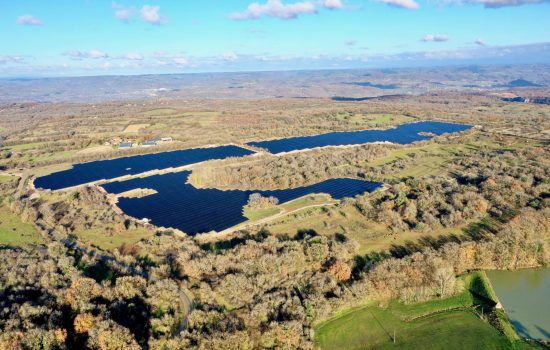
[
  {"x": 97, "y": 237},
  {"x": 371, "y": 236},
  {"x": 267, "y": 214},
  {"x": 439, "y": 324},
  {"x": 372, "y": 328},
  {"x": 14, "y": 232},
  {"x": 133, "y": 128},
  {"x": 375, "y": 120},
  {"x": 257, "y": 214}
]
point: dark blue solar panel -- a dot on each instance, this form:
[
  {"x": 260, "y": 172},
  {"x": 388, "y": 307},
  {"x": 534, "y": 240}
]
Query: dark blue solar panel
[
  {"x": 182, "y": 206},
  {"x": 402, "y": 134},
  {"x": 109, "y": 169}
]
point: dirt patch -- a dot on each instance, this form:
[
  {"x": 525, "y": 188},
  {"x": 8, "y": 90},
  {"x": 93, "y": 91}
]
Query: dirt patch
[
  {"x": 136, "y": 127},
  {"x": 137, "y": 193},
  {"x": 95, "y": 150}
]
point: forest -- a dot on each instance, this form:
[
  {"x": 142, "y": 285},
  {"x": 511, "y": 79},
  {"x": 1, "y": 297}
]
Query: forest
[{"x": 95, "y": 278}]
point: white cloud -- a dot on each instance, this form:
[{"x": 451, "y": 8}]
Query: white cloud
[
  {"x": 435, "y": 38},
  {"x": 151, "y": 14},
  {"x": 133, "y": 56},
  {"x": 480, "y": 42},
  {"x": 180, "y": 61},
  {"x": 122, "y": 13},
  {"x": 96, "y": 54},
  {"x": 230, "y": 56},
  {"x": 93, "y": 54},
  {"x": 497, "y": 3},
  {"x": 160, "y": 54},
  {"x": 275, "y": 9},
  {"x": 332, "y": 4},
  {"x": 29, "y": 20},
  {"x": 10, "y": 59},
  {"x": 351, "y": 42},
  {"x": 405, "y": 4}
]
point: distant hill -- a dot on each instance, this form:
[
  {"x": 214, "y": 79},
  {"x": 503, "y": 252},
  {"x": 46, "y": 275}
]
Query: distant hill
[
  {"x": 358, "y": 99},
  {"x": 521, "y": 83},
  {"x": 354, "y": 83},
  {"x": 375, "y": 85}
]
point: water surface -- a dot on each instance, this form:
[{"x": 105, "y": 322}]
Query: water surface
[
  {"x": 180, "y": 205},
  {"x": 525, "y": 295},
  {"x": 109, "y": 169},
  {"x": 402, "y": 134}
]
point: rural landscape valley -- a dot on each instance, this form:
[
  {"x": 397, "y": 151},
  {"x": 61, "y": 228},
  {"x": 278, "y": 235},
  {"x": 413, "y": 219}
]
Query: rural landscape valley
[{"x": 319, "y": 183}]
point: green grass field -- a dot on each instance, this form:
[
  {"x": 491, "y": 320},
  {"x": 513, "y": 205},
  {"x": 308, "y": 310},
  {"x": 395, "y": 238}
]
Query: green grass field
[
  {"x": 314, "y": 199},
  {"x": 448, "y": 323},
  {"x": 14, "y": 232},
  {"x": 294, "y": 205},
  {"x": 439, "y": 324},
  {"x": 432, "y": 159},
  {"x": 5, "y": 179},
  {"x": 160, "y": 112},
  {"x": 258, "y": 214},
  {"x": 370, "y": 235},
  {"x": 374, "y": 120},
  {"x": 98, "y": 238},
  {"x": 24, "y": 147},
  {"x": 373, "y": 328}
]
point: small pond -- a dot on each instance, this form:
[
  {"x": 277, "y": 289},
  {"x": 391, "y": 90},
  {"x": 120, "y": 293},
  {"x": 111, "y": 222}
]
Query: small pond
[{"x": 525, "y": 295}]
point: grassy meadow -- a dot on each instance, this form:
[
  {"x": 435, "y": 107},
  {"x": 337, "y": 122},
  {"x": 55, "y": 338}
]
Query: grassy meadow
[
  {"x": 452, "y": 323},
  {"x": 14, "y": 232}
]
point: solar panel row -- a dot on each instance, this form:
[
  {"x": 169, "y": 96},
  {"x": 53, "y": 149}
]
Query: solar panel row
[{"x": 179, "y": 205}]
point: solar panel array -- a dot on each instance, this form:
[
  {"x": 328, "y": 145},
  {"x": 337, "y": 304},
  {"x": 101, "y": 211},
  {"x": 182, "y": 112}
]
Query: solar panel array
[
  {"x": 402, "y": 134},
  {"x": 109, "y": 169},
  {"x": 180, "y": 205}
]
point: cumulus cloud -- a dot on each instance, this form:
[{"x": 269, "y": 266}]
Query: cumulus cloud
[
  {"x": 508, "y": 54},
  {"x": 180, "y": 61},
  {"x": 435, "y": 38},
  {"x": 122, "y": 13},
  {"x": 151, "y": 14},
  {"x": 93, "y": 54},
  {"x": 29, "y": 20},
  {"x": 10, "y": 59},
  {"x": 332, "y": 4},
  {"x": 405, "y": 4},
  {"x": 230, "y": 56},
  {"x": 275, "y": 9},
  {"x": 96, "y": 54},
  {"x": 480, "y": 42},
  {"x": 498, "y": 3},
  {"x": 133, "y": 56}
]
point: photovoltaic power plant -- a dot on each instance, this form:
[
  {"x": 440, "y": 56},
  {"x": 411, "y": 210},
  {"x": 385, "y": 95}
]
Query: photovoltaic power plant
[
  {"x": 191, "y": 210},
  {"x": 402, "y": 134},
  {"x": 109, "y": 169}
]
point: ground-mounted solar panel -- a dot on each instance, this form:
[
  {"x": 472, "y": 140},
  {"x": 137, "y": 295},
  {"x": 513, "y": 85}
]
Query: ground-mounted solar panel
[
  {"x": 180, "y": 205},
  {"x": 402, "y": 134},
  {"x": 109, "y": 169}
]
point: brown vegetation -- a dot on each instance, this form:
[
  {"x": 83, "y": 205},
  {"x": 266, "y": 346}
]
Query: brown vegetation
[{"x": 256, "y": 290}]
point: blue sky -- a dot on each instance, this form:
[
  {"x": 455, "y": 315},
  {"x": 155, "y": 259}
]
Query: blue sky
[{"x": 89, "y": 37}]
